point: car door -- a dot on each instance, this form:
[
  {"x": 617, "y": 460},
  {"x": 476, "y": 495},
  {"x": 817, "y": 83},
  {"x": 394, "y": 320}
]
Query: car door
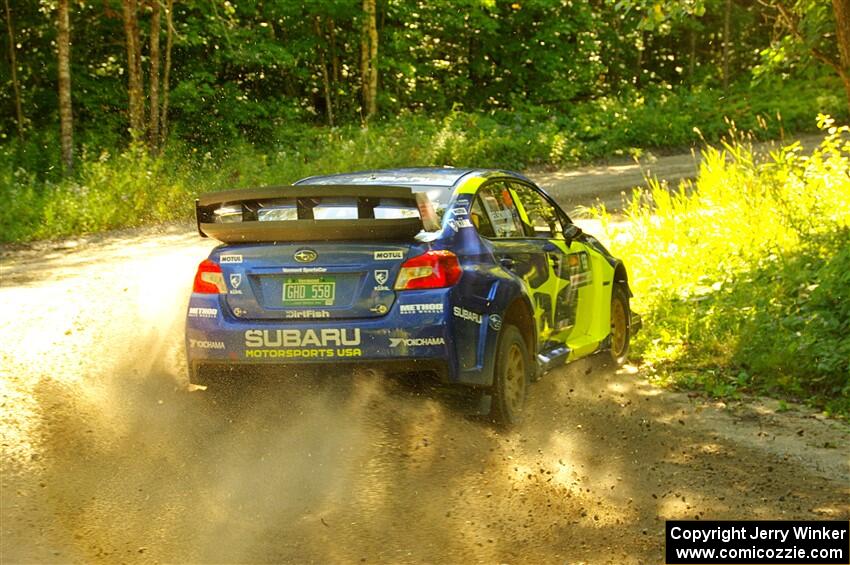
[
  {"x": 498, "y": 218},
  {"x": 568, "y": 260}
]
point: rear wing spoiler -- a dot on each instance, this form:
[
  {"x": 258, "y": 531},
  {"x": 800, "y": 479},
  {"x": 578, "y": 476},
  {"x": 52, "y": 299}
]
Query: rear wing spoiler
[{"x": 244, "y": 210}]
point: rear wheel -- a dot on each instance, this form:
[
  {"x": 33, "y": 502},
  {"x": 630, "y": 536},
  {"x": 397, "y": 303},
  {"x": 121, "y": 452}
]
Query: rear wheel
[
  {"x": 511, "y": 377},
  {"x": 620, "y": 330}
]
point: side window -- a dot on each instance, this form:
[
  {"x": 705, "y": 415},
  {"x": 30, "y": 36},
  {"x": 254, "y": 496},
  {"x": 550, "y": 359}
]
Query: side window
[
  {"x": 494, "y": 214},
  {"x": 542, "y": 217}
]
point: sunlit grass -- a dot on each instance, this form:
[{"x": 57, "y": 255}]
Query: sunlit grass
[{"x": 743, "y": 276}]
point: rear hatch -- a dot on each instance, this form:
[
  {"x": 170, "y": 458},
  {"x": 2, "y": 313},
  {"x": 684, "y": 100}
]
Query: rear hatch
[
  {"x": 291, "y": 281},
  {"x": 313, "y": 252}
]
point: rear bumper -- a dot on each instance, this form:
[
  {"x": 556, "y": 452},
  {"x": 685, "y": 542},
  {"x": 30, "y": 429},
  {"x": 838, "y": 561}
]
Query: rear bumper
[
  {"x": 217, "y": 373},
  {"x": 416, "y": 341}
]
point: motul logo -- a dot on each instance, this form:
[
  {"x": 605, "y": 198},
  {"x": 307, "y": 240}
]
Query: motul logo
[{"x": 388, "y": 255}]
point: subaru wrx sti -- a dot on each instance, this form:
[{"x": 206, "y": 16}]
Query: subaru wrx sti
[{"x": 474, "y": 278}]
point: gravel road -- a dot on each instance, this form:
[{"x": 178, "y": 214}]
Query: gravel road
[{"x": 107, "y": 457}]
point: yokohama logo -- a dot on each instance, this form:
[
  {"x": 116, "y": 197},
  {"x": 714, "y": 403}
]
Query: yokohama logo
[{"x": 416, "y": 342}]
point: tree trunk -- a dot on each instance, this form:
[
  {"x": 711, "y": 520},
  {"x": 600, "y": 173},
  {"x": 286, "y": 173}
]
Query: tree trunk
[
  {"x": 169, "y": 40},
  {"x": 334, "y": 56},
  {"x": 727, "y": 24},
  {"x": 134, "y": 73},
  {"x": 641, "y": 47},
  {"x": 334, "y": 63},
  {"x": 326, "y": 83},
  {"x": 66, "y": 117},
  {"x": 692, "y": 60},
  {"x": 153, "y": 126},
  {"x": 364, "y": 61},
  {"x": 13, "y": 63},
  {"x": 373, "y": 61},
  {"x": 842, "y": 33}
]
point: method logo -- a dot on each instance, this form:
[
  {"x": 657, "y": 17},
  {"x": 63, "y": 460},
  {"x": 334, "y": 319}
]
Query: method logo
[
  {"x": 235, "y": 279},
  {"x": 421, "y": 308},
  {"x": 197, "y": 312}
]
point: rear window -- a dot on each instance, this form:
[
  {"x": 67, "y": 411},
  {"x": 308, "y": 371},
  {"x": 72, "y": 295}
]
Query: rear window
[{"x": 286, "y": 209}]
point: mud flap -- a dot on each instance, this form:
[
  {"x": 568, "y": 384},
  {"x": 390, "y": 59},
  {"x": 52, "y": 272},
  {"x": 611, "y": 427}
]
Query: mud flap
[{"x": 635, "y": 323}]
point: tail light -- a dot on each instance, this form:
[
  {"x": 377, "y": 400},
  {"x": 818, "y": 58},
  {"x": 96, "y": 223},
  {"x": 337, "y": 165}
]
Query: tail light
[
  {"x": 433, "y": 269},
  {"x": 209, "y": 278}
]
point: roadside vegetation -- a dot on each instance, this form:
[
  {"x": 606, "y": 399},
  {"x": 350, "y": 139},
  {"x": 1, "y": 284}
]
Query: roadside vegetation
[
  {"x": 132, "y": 187},
  {"x": 743, "y": 276},
  {"x": 117, "y": 113}
]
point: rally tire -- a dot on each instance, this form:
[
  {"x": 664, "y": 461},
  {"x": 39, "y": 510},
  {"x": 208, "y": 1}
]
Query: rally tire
[
  {"x": 620, "y": 324},
  {"x": 510, "y": 380}
]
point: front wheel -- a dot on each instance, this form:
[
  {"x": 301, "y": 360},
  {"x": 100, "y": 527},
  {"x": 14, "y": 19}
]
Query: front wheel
[
  {"x": 620, "y": 326},
  {"x": 511, "y": 377}
]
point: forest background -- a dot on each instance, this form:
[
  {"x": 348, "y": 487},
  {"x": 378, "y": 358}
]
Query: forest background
[{"x": 115, "y": 114}]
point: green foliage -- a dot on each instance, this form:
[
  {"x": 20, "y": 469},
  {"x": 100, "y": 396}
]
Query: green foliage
[
  {"x": 744, "y": 277},
  {"x": 111, "y": 190},
  {"x": 814, "y": 22},
  {"x": 245, "y": 69}
]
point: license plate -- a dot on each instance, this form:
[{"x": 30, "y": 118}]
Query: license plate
[{"x": 309, "y": 292}]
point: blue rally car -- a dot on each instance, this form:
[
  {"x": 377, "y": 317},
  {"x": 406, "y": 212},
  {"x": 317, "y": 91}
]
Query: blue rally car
[{"x": 475, "y": 278}]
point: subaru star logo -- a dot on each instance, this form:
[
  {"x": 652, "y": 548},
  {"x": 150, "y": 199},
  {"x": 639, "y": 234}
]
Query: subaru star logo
[{"x": 305, "y": 255}]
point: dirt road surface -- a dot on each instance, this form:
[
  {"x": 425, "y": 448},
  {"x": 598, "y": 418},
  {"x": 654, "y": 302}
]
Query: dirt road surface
[
  {"x": 608, "y": 183},
  {"x": 108, "y": 458}
]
